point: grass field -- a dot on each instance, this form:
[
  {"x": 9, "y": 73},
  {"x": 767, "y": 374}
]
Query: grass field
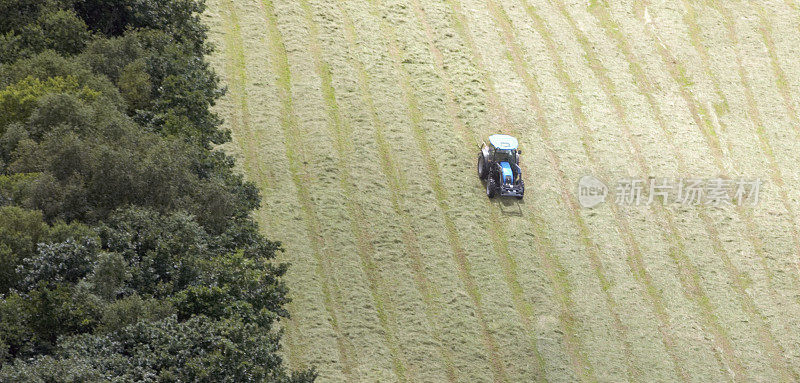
[{"x": 359, "y": 121}]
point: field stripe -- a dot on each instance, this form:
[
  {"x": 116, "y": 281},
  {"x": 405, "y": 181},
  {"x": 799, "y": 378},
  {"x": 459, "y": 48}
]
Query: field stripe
[
  {"x": 695, "y": 37},
  {"x": 758, "y": 126},
  {"x": 634, "y": 255},
  {"x": 531, "y": 83},
  {"x": 635, "y": 260},
  {"x": 746, "y": 301},
  {"x": 782, "y": 82},
  {"x": 397, "y": 183},
  {"x": 690, "y": 18},
  {"x": 340, "y": 133},
  {"x": 733, "y": 274},
  {"x": 555, "y": 271},
  {"x": 777, "y": 359},
  {"x": 677, "y": 71},
  {"x": 645, "y": 87},
  {"x": 331, "y": 294},
  {"x": 497, "y": 228},
  {"x": 757, "y": 122},
  {"x": 766, "y": 338},
  {"x": 236, "y": 66},
  {"x": 552, "y": 266},
  {"x": 461, "y": 25},
  {"x": 765, "y": 30},
  {"x": 250, "y": 140},
  {"x": 568, "y": 200},
  {"x": 756, "y": 242},
  {"x": 795, "y": 6},
  {"x": 694, "y": 31},
  {"x": 236, "y": 74},
  {"x": 552, "y": 269},
  {"x": 454, "y": 239}
]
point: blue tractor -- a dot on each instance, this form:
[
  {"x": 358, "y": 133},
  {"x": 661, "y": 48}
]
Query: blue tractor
[{"x": 498, "y": 166}]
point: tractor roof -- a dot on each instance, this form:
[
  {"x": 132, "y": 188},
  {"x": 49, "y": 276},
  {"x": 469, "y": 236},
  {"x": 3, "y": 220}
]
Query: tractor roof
[{"x": 503, "y": 141}]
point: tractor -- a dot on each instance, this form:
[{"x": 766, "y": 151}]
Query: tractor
[{"x": 498, "y": 166}]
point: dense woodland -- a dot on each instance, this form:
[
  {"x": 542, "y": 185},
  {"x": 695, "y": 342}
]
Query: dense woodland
[{"x": 127, "y": 247}]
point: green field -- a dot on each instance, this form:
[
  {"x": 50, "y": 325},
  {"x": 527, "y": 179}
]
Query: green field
[{"x": 359, "y": 121}]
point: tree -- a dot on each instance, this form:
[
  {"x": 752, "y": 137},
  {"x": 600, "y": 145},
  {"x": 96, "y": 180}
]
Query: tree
[
  {"x": 128, "y": 248},
  {"x": 179, "y": 18},
  {"x": 20, "y": 230},
  {"x": 197, "y": 350},
  {"x": 18, "y": 101}
]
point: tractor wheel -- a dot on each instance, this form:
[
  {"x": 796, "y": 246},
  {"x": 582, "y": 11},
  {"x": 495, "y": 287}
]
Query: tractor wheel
[
  {"x": 490, "y": 187},
  {"x": 482, "y": 168}
]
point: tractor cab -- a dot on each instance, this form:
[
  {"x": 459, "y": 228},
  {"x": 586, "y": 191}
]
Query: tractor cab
[
  {"x": 501, "y": 148},
  {"x": 498, "y": 164}
]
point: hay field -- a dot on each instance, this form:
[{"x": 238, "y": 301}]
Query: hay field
[{"x": 359, "y": 119}]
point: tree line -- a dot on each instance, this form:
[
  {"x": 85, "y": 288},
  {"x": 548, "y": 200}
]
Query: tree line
[{"x": 127, "y": 247}]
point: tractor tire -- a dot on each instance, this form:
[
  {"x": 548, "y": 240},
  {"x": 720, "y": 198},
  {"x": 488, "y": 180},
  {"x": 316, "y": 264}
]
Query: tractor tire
[
  {"x": 491, "y": 189},
  {"x": 483, "y": 168}
]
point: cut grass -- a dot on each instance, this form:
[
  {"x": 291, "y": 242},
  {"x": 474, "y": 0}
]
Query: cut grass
[
  {"x": 765, "y": 336},
  {"x": 423, "y": 279},
  {"x": 497, "y": 229},
  {"x": 288, "y": 126},
  {"x": 397, "y": 184},
  {"x": 454, "y": 239},
  {"x": 340, "y": 134}
]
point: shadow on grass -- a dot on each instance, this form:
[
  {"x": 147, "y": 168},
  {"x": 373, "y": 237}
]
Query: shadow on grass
[{"x": 509, "y": 206}]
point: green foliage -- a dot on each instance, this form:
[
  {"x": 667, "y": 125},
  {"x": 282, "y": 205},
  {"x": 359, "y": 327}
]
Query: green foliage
[
  {"x": 62, "y": 309},
  {"x": 13, "y": 135},
  {"x": 127, "y": 247},
  {"x": 135, "y": 86},
  {"x": 31, "y": 27},
  {"x": 110, "y": 276},
  {"x": 49, "y": 369},
  {"x": 16, "y": 335},
  {"x": 161, "y": 250},
  {"x": 211, "y": 301},
  {"x": 93, "y": 159},
  {"x": 18, "y": 101},
  {"x": 59, "y": 30},
  {"x": 180, "y": 88},
  {"x": 146, "y": 267},
  {"x": 252, "y": 281},
  {"x": 20, "y": 230},
  {"x": 10, "y": 46},
  {"x": 131, "y": 309},
  {"x": 51, "y": 64},
  {"x": 14, "y": 188},
  {"x": 196, "y": 350},
  {"x": 32, "y": 322},
  {"x": 178, "y": 18},
  {"x": 15, "y": 14},
  {"x": 64, "y": 262},
  {"x": 27, "y": 247}
]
